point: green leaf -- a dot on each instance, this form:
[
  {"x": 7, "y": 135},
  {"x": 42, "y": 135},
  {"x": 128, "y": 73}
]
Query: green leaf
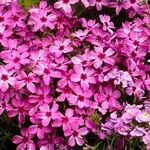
[{"x": 28, "y": 3}]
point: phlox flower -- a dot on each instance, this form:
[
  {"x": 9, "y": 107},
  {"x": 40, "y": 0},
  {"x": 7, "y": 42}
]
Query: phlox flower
[
  {"x": 19, "y": 107},
  {"x": 107, "y": 25},
  {"x": 6, "y": 79},
  {"x": 85, "y": 77},
  {"x": 24, "y": 140},
  {"x": 28, "y": 80},
  {"x": 40, "y": 18},
  {"x": 66, "y": 120},
  {"x": 38, "y": 128},
  {"x": 65, "y": 5},
  {"x": 49, "y": 142},
  {"x": 143, "y": 117},
  {"x": 80, "y": 98},
  {"x": 101, "y": 55},
  {"x": 46, "y": 114},
  {"x": 75, "y": 135},
  {"x": 61, "y": 46}
]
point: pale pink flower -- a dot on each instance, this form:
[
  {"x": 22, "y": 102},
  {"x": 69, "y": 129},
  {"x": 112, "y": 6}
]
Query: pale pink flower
[
  {"x": 65, "y": 5},
  {"x": 107, "y": 24},
  {"x": 6, "y": 78}
]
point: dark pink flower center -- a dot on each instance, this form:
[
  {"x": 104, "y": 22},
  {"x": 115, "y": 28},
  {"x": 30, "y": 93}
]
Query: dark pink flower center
[
  {"x": 67, "y": 89},
  {"x": 84, "y": 62},
  {"x": 132, "y": 1},
  {"x": 101, "y": 56},
  {"x": 43, "y": 19},
  {"x": 65, "y": 119},
  {"x": 61, "y": 47},
  {"x": 15, "y": 18},
  {"x": 16, "y": 59},
  {"x": 75, "y": 133},
  {"x": 40, "y": 126},
  {"x": 136, "y": 43},
  {"x": 21, "y": 109},
  {"x": 4, "y": 77},
  {"x": 25, "y": 140},
  {"x": 28, "y": 79},
  {"x": 48, "y": 114},
  {"x": 1, "y": 19},
  {"x": 81, "y": 98},
  {"x": 66, "y": 1},
  {"x": 83, "y": 76},
  {"x": 46, "y": 71}
]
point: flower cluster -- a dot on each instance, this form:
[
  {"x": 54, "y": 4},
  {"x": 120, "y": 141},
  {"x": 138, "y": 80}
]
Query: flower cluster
[{"x": 65, "y": 76}]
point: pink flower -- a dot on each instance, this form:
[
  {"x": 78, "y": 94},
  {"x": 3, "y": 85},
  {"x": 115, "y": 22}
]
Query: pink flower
[
  {"x": 19, "y": 107},
  {"x": 42, "y": 95},
  {"x": 65, "y": 5},
  {"x": 75, "y": 135},
  {"x": 6, "y": 79},
  {"x": 85, "y": 2},
  {"x": 101, "y": 55},
  {"x": 49, "y": 142},
  {"x": 46, "y": 114},
  {"x": 38, "y": 128},
  {"x": 61, "y": 47},
  {"x": 107, "y": 25},
  {"x": 83, "y": 76},
  {"x": 42, "y": 18},
  {"x": 29, "y": 80},
  {"x": 25, "y": 140},
  {"x": 81, "y": 35},
  {"x": 138, "y": 131},
  {"x": 80, "y": 98},
  {"x": 16, "y": 59},
  {"x": 143, "y": 117},
  {"x": 47, "y": 72},
  {"x": 66, "y": 120}
]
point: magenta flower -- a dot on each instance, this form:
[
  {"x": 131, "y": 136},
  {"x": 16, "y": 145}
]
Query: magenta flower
[
  {"x": 29, "y": 80},
  {"x": 46, "y": 114},
  {"x": 47, "y": 72},
  {"x": 75, "y": 135},
  {"x": 25, "y": 140},
  {"x": 80, "y": 98},
  {"x": 16, "y": 59},
  {"x": 85, "y": 77},
  {"x": 42, "y": 18},
  {"x": 107, "y": 25},
  {"x": 100, "y": 55},
  {"x": 66, "y": 120},
  {"x": 42, "y": 95},
  {"x": 61, "y": 47},
  {"x": 38, "y": 128},
  {"x": 19, "y": 107},
  {"x": 49, "y": 142},
  {"x": 65, "y": 5}
]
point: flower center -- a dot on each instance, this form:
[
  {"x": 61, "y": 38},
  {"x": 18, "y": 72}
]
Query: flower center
[
  {"x": 83, "y": 76},
  {"x": 4, "y": 77},
  {"x": 66, "y": 1},
  {"x": 81, "y": 98},
  {"x": 43, "y": 19}
]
